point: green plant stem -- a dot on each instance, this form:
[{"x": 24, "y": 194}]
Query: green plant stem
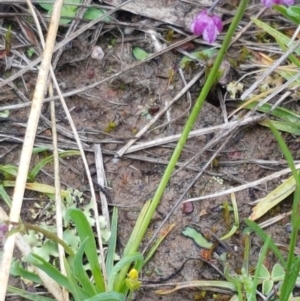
[
  {"x": 50, "y": 235},
  {"x": 135, "y": 242}
]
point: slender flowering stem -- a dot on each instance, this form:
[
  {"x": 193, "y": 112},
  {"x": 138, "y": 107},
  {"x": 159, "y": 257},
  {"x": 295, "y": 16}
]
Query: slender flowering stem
[
  {"x": 188, "y": 126},
  {"x": 213, "y": 6}
]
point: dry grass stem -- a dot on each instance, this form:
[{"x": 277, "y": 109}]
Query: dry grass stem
[
  {"x": 101, "y": 180},
  {"x": 245, "y": 186},
  {"x": 195, "y": 133},
  {"x": 28, "y": 146}
]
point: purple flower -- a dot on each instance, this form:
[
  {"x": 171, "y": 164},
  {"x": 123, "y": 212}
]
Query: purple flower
[
  {"x": 269, "y": 3},
  {"x": 209, "y": 25}
]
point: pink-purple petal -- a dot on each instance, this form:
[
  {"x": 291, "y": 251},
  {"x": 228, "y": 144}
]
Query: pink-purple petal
[
  {"x": 208, "y": 25},
  {"x": 269, "y": 3},
  {"x": 218, "y": 22},
  {"x": 288, "y": 2}
]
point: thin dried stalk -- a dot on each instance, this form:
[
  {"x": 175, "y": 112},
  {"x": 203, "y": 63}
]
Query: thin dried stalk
[
  {"x": 101, "y": 179},
  {"x": 28, "y": 146},
  {"x": 244, "y": 186}
]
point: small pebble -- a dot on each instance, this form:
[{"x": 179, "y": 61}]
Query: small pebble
[
  {"x": 187, "y": 208},
  {"x": 97, "y": 53}
]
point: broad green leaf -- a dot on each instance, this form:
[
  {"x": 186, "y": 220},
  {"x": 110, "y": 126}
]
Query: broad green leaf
[
  {"x": 294, "y": 11},
  {"x": 196, "y": 237},
  {"x": 24, "y": 294},
  {"x": 139, "y": 53},
  {"x": 80, "y": 273},
  {"x": 94, "y": 13},
  {"x": 85, "y": 231},
  {"x": 283, "y": 10}
]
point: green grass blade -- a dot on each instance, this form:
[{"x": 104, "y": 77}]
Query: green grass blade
[
  {"x": 279, "y": 112},
  {"x": 24, "y": 294},
  {"x": 275, "y": 33},
  {"x": 80, "y": 273},
  {"x": 85, "y": 231},
  {"x": 293, "y": 263},
  {"x": 111, "y": 296},
  {"x": 290, "y": 279},
  {"x": 284, "y": 126},
  {"x": 77, "y": 292},
  {"x": 33, "y": 173},
  {"x": 9, "y": 171},
  {"x": 263, "y": 236},
  {"x": 16, "y": 269},
  {"x": 49, "y": 269},
  {"x": 136, "y": 258},
  {"x": 134, "y": 244},
  {"x": 112, "y": 242},
  {"x": 5, "y": 196},
  {"x": 252, "y": 295}
]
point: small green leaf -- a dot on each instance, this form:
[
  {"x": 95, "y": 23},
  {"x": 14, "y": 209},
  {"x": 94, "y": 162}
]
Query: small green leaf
[
  {"x": 139, "y": 53},
  {"x": 46, "y": 6},
  {"x": 4, "y": 114},
  {"x": 264, "y": 273},
  {"x": 267, "y": 286},
  {"x": 94, "y": 13},
  {"x": 197, "y": 237},
  {"x": 277, "y": 272}
]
